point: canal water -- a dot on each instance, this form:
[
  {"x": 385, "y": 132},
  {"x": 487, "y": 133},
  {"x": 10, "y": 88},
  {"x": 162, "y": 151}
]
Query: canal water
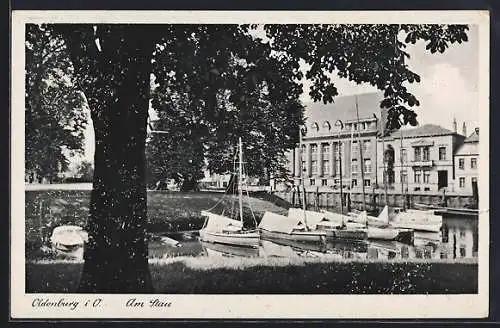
[{"x": 458, "y": 239}]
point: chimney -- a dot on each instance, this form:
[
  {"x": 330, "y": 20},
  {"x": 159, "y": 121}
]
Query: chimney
[
  {"x": 454, "y": 125},
  {"x": 464, "y": 129}
]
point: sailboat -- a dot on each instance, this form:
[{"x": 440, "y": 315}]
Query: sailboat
[
  {"x": 222, "y": 229},
  {"x": 417, "y": 220},
  {"x": 276, "y": 226}
]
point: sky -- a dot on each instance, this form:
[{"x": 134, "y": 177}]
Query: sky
[{"x": 448, "y": 88}]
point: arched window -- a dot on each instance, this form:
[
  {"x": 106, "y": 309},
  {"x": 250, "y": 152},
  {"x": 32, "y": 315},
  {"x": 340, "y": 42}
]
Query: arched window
[
  {"x": 315, "y": 126},
  {"x": 326, "y": 125}
]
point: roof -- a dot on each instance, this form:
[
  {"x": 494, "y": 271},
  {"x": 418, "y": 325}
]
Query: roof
[
  {"x": 474, "y": 137},
  {"x": 468, "y": 148},
  {"x": 344, "y": 108},
  {"x": 426, "y": 130}
]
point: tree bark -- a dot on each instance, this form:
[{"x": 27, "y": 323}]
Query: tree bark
[{"x": 116, "y": 254}]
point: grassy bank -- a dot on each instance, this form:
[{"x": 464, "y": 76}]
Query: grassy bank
[
  {"x": 193, "y": 276},
  {"x": 167, "y": 211}
]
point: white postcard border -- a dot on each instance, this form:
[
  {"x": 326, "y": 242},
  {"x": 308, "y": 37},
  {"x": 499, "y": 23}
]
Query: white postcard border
[{"x": 245, "y": 306}]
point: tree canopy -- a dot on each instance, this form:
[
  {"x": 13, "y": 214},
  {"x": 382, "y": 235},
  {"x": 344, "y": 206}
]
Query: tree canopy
[
  {"x": 54, "y": 112},
  {"x": 216, "y": 83}
]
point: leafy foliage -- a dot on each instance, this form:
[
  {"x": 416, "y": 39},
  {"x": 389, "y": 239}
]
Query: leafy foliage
[
  {"x": 55, "y": 119},
  {"x": 216, "y": 84},
  {"x": 85, "y": 171},
  {"x": 364, "y": 53}
]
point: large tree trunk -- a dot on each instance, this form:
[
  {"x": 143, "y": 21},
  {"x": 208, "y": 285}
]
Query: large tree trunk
[{"x": 116, "y": 255}]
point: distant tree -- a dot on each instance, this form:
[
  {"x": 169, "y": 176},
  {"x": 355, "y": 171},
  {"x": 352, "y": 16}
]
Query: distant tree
[
  {"x": 85, "y": 171},
  {"x": 54, "y": 115},
  {"x": 220, "y": 91},
  {"x": 114, "y": 65}
]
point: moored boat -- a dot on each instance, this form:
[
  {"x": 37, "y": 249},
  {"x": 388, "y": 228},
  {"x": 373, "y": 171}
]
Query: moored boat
[
  {"x": 221, "y": 229},
  {"x": 68, "y": 238},
  {"x": 276, "y": 226},
  {"x": 417, "y": 220}
]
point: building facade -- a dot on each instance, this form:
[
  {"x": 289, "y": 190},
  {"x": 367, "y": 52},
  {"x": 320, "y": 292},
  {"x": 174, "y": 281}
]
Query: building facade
[
  {"x": 466, "y": 164},
  {"x": 342, "y": 142},
  {"x": 336, "y": 143},
  {"x": 419, "y": 159}
]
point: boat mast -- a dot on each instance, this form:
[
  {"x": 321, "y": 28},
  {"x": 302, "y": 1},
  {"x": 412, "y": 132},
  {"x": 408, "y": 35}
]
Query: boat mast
[
  {"x": 304, "y": 198},
  {"x": 240, "y": 174},
  {"x": 383, "y": 160},
  {"x": 340, "y": 126},
  {"x": 401, "y": 169},
  {"x": 360, "y": 145}
]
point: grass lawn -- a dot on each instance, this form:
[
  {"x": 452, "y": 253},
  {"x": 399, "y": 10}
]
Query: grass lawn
[
  {"x": 278, "y": 276},
  {"x": 167, "y": 211}
]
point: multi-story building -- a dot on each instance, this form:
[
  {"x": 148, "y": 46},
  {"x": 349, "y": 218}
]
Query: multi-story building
[
  {"x": 336, "y": 146},
  {"x": 336, "y": 143},
  {"x": 466, "y": 164},
  {"x": 419, "y": 159}
]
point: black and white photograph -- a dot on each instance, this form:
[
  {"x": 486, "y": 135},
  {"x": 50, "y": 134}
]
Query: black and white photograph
[{"x": 250, "y": 165}]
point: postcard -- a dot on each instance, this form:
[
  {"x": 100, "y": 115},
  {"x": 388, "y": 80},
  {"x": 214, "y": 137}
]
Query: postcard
[{"x": 249, "y": 164}]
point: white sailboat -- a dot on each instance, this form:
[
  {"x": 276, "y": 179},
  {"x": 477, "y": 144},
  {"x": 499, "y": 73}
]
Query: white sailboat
[
  {"x": 221, "y": 229},
  {"x": 417, "y": 220},
  {"x": 275, "y": 226}
]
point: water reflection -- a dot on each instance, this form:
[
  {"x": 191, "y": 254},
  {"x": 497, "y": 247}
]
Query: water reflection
[{"x": 458, "y": 239}]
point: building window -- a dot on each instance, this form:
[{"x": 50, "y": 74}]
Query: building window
[
  {"x": 324, "y": 182},
  {"x": 442, "y": 153},
  {"x": 367, "y": 182},
  {"x": 461, "y": 163},
  {"x": 427, "y": 189},
  {"x": 314, "y": 149},
  {"x": 461, "y": 182},
  {"x": 404, "y": 177},
  {"x": 367, "y": 144},
  {"x": 314, "y": 167},
  {"x": 312, "y": 182},
  {"x": 463, "y": 252},
  {"x": 417, "y": 176},
  {"x": 427, "y": 175},
  {"x": 337, "y": 166},
  {"x": 355, "y": 148},
  {"x": 418, "y": 154},
  {"x": 315, "y": 126},
  {"x": 326, "y": 125},
  {"x": 304, "y": 166},
  {"x": 473, "y": 163},
  {"x": 354, "y": 165},
  {"x": 326, "y": 166},
  {"x": 473, "y": 180},
  {"x": 355, "y": 126},
  {"x": 368, "y": 165},
  {"x": 462, "y": 233},
  {"x": 425, "y": 154},
  {"x": 404, "y": 156},
  {"x": 354, "y": 182},
  {"x": 325, "y": 148}
]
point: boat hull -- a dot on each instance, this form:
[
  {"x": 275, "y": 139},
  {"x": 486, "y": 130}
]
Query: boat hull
[
  {"x": 229, "y": 250},
  {"x": 430, "y": 227},
  {"x": 406, "y": 236},
  {"x": 246, "y": 239},
  {"x": 356, "y": 234},
  {"x": 300, "y": 236}
]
